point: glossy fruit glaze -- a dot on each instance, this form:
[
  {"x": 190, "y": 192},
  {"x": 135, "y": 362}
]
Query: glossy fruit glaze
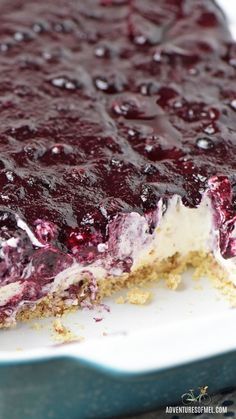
[{"x": 106, "y": 106}]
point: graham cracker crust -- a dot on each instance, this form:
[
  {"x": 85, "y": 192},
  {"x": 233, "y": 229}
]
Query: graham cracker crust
[{"x": 170, "y": 270}]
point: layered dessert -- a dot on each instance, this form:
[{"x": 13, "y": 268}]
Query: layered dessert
[{"x": 117, "y": 149}]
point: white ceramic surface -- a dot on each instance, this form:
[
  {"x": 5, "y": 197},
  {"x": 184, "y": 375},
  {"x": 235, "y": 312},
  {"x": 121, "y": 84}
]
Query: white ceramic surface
[{"x": 176, "y": 327}]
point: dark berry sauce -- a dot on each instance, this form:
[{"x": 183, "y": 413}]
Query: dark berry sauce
[{"x": 106, "y": 106}]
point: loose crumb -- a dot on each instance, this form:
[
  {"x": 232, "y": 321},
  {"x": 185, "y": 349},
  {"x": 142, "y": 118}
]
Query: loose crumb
[
  {"x": 138, "y": 296},
  {"x": 120, "y": 300},
  {"x": 64, "y": 334},
  {"x": 173, "y": 281},
  {"x": 135, "y": 296}
]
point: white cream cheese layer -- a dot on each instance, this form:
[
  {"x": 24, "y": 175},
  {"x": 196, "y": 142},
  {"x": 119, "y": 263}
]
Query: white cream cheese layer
[{"x": 180, "y": 230}]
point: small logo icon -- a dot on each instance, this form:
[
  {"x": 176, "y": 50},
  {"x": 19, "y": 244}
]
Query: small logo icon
[{"x": 202, "y": 398}]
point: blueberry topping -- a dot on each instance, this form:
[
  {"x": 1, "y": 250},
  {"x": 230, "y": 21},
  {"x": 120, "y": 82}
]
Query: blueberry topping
[{"x": 106, "y": 107}]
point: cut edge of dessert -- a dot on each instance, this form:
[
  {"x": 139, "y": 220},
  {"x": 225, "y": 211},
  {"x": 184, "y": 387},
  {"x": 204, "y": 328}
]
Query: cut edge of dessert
[{"x": 180, "y": 237}]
